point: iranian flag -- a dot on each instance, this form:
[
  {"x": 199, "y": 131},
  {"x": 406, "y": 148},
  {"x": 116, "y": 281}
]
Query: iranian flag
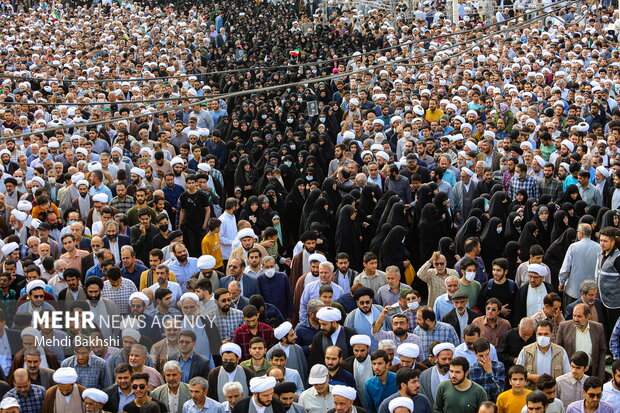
[{"x": 295, "y": 53}]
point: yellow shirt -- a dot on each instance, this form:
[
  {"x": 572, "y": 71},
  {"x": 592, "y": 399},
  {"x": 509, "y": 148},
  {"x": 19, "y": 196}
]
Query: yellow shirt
[
  {"x": 211, "y": 246},
  {"x": 507, "y": 402},
  {"x": 431, "y": 116}
]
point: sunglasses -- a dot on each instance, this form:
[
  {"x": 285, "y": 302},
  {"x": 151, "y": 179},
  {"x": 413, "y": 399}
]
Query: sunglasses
[{"x": 140, "y": 386}]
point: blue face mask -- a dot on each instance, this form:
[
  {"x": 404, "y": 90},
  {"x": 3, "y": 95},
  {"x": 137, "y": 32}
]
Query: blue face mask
[
  {"x": 288, "y": 163},
  {"x": 469, "y": 163}
]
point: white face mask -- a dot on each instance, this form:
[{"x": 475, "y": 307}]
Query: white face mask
[
  {"x": 499, "y": 230},
  {"x": 413, "y": 305},
  {"x": 469, "y": 276},
  {"x": 269, "y": 273},
  {"x": 543, "y": 341}
]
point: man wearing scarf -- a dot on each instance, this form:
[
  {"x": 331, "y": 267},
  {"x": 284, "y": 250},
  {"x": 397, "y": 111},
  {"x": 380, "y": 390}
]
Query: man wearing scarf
[{"x": 66, "y": 396}]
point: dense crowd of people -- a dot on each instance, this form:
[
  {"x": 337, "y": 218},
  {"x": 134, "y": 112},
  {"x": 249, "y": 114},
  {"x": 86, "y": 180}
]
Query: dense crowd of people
[{"x": 270, "y": 207}]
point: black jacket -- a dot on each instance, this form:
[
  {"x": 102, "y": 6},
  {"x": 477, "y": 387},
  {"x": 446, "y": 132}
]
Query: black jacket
[
  {"x": 113, "y": 399},
  {"x": 317, "y": 354},
  {"x": 520, "y": 308},
  {"x": 243, "y": 406},
  {"x": 510, "y": 345},
  {"x": 452, "y": 319}
]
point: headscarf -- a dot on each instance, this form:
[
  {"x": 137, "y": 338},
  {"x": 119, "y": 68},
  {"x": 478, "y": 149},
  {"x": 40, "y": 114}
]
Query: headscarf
[{"x": 471, "y": 228}]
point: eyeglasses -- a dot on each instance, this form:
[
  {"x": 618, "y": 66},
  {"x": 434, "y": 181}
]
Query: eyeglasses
[
  {"x": 492, "y": 309},
  {"x": 136, "y": 386},
  {"x": 185, "y": 342},
  {"x": 595, "y": 395}
]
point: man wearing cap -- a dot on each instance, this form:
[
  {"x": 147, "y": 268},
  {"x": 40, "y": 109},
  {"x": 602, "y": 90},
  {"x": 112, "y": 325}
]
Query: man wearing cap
[
  {"x": 285, "y": 392},
  {"x": 331, "y": 334},
  {"x": 10, "y": 405},
  {"x": 66, "y": 396},
  {"x": 91, "y": 370},
  {"x": 463, "y": 193},
  {"x": 29, "y": 396},
  {"x": 530, "y": 297},
  {"x": 460, "y": 316},
  {"x": 295, "y": 358},
  {"x": 229, "y": 371},
  {"x": 17, "y": 222},
  {"x": 318, "y": 398}
]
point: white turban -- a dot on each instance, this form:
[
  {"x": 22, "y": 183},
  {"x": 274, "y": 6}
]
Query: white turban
[
  {"x": 20, "y": 215},
  {"x": 24, "y": 206},
  {"x": 282, "y": 330},
  {"x": 140, "y": 296},
  {"x": 77, "y": 178},
  {"x": 261, "y": 384},
  {"x": 467, "y": 171},
  {"x": 190, "y": 296},
  {"x": 5, "y": 152},
  {"x": 138, "y": 171},
  {"x": 410, "y": 350},
  {"x": 382, "y": 154},
  {"x": 204, "y": 167},
  {"x": 206, "y": 262},
  {"x": 345, "y": 391},
  {"x": 95, "y": 395},
  {"x": 568, "y": 144},
  {"x": 34, "y": 284},
  {"x": 100, "y": 197},
  {"x": 9, "y": 248},
  {"x": 360, "y": 339},
  {"x": 131, "y": 333},
  {"x": 537, "y": 269},
  {"x": 329, "y": 314},
  {"x": 82, "y": 151},
  {"x": 176, "y": 161},
  {"x": 317, "y": 257},
  {"x": 230, "y": 348},
  {"x": 246, "y": 233},
  {"x": 443, "y": 346},
  {"x": 540, "y": 160},
  {"x": 94, "y": 166},
  {"x": 81, "y": 182},
  {"x": 65, "y": 375},
  {"x": 604, "y": 171},
  {"x": 405, "y": 402}
]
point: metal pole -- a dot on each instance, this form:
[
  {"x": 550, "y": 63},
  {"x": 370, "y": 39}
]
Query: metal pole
[{"x": 455, "y": 12}]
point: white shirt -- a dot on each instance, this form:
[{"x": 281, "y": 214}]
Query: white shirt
[
  {"x": 228, "y": 232},
  {"x": 259, "y": 409},
  {"x": 174, "y": 287},
  {"x": 611, "y": 394},
  {"x": 115, "y": 250},
  {"x": 543, "y": 361},
  {"x": 583, "y": 341},
  {"x": 535, "y": 297},
  {"x": 463, "y": 319},
  {"x": 334, "y": 336},
  {"x": 5, "y": 354}
]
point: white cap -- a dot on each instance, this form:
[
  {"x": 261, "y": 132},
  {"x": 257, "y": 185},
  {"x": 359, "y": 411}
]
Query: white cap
[
  {"x": 100, "y": 197},
  {"x": 538, "y": 269},
  {"x": 261, "y": 384},
  {"x": 405, "y": 402},
  {"x": 138, "y": 171},
  {"x": 345, "y": 391},
  {"x": 443, "y": 346},
  {"x": 95, "y": 395},
  {"x": 206, "y": 262},
  {"x": 189, "y": 296},
  {"x": 360, "y": 339},
  {"x": 410, "y": 350},
  {"x": 65, "y": 375},
  {"x": 329, "y": 314}
]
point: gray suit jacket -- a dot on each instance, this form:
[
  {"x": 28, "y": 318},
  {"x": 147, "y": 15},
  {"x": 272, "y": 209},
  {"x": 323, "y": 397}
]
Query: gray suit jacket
[
  {"x": 425, "y": 385},
  {"x": 45, "y": 377},
  {"x": 161, "y": 394}
]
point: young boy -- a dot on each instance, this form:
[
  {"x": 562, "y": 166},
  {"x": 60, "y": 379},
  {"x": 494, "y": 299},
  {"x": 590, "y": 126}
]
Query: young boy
[
  {"x": 211, "y": 243},
  {"x": 258, "y": 363},
  {"x": 513, "y": 400},
  {"x": 570, "y": 385}
]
